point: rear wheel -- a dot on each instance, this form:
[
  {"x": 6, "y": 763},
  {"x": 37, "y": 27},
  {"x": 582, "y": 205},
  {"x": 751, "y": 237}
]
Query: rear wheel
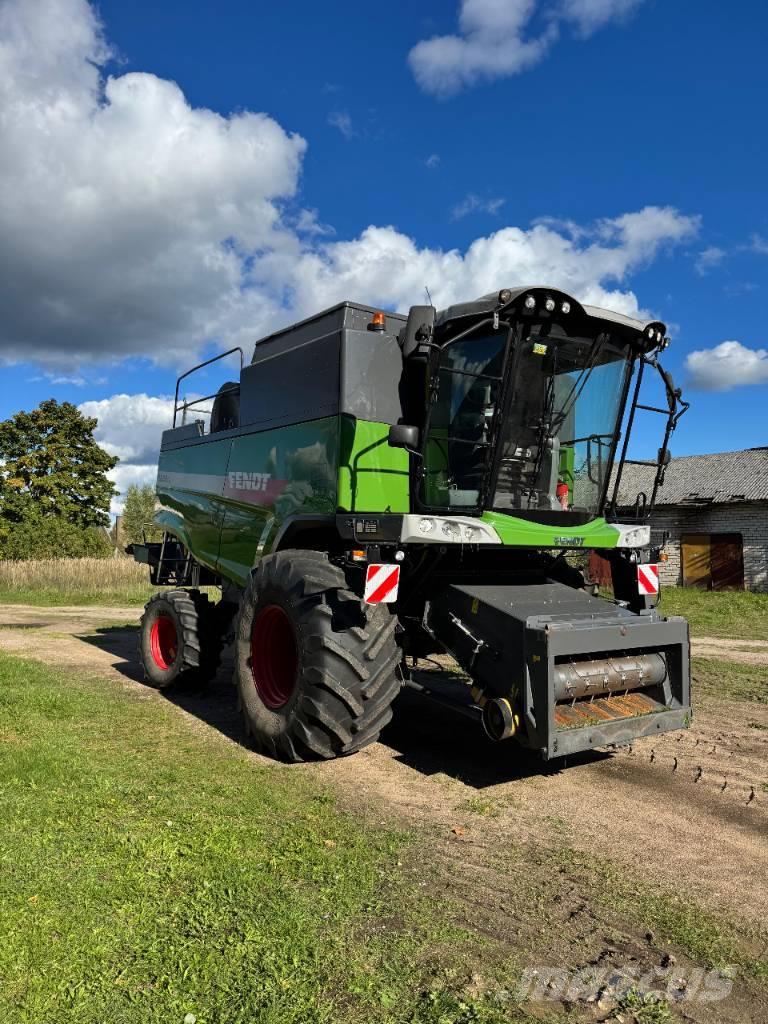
[
  {"x": 316, "y": 668},
  {"x": 178, "y": 638}
]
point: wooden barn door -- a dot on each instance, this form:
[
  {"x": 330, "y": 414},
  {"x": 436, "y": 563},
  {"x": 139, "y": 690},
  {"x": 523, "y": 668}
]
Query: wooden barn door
[
  {"x": 697, "y": 568},
  {"x": 713, "y": 561},
  {"x": 727, "y": 562}
]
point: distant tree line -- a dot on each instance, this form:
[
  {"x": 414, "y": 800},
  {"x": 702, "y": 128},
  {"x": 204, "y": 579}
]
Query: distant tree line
[{"x": 54, "y": 489}]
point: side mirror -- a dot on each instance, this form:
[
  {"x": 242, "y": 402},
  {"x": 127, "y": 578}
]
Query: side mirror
[
  {"x": 403, "y": 436},
  {"x": 421, "y": 320},
  {"x": 664, "y": 457}
]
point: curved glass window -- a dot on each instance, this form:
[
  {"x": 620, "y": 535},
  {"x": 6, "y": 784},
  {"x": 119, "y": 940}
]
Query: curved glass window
[{"x": 556, "y": 433}]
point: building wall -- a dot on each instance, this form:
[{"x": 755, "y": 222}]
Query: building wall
[{"x": 749, "y": 518}]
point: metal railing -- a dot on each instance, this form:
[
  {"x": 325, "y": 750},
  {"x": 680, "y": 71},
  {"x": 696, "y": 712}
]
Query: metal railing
[{"x": 205, "y": 398}]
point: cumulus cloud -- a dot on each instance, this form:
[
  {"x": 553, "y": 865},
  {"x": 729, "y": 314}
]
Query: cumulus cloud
[
  {"x": 125, "y": 212},
  {"x": 387, "y": 268},
  {"x": 726, "y": 366},
  {"x": 500, "y": 38},
  {"x": 134, "y": 224},
  {"x": 130, "y": 426}
]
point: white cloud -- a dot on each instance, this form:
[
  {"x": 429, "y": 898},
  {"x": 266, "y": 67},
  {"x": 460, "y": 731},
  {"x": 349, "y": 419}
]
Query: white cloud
[
  {"x": 474, "y": 204},
  {"x": 759, "y": 245},
  {"x": 726, "y": 366},
  {"x": 133, "y": 224},
  {"x": 122, "y": 476},
  {"x": 433, "y": 161},
  {"x": 590, "y": 15},
  {"x": 387, "y": 268},
  {"x": 130, "y": 426},
  {"x": 500, "y": 38},
  {"x": 709, "y": 258},
  {"x": 124, "y": 212},
  {"x": 340, "y": 119}
]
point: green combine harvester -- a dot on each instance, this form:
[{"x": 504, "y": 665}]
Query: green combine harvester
[{"x": 378, "y": 488}]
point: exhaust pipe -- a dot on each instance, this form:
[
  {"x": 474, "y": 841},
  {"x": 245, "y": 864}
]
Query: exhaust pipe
[{"x": 577, "y": 679}]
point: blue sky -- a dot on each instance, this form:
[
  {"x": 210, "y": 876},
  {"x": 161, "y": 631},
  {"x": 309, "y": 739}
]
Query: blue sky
[{"x": 613, "y": 147}]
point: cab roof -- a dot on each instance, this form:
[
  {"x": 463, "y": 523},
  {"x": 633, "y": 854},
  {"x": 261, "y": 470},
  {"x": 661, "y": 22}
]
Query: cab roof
[{"x": 487, "y": 304}]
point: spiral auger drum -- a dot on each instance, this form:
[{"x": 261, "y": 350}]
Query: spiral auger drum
[{"x": 375, "y": 489}]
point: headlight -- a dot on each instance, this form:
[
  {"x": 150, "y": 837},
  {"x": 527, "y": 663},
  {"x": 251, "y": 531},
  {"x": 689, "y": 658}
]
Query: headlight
[{"x": 426, "y": 526}]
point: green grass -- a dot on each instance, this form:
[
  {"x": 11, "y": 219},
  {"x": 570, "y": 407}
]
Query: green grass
[
  {"x": 728, "y": 613},
  {"x": 148, "y": 871},
  {"x": 731, "y": 680},
  {"x": 646, "y": 1009},
  {"x": 55, "y": 597}
]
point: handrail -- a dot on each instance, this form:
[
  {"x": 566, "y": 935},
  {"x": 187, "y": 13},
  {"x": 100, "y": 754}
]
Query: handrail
[
  {"x": 676, "y": 407},
  {"x": 215, "y": 359}
]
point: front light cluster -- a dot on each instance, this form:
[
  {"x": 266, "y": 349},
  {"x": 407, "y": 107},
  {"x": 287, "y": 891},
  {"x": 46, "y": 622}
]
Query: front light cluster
[
  {"x": 549, "y": 304},
  {"x": 450, "y": 530},
  {"x": 656, "y": 336},
  {"x": 637, "y": 537},
  {"x": 633, "y": 537}
]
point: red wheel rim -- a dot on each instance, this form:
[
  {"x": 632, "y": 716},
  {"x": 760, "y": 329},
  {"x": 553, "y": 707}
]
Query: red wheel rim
[
  {"x": 163, "y": 642},
  {"x": 274, "y": 657}
]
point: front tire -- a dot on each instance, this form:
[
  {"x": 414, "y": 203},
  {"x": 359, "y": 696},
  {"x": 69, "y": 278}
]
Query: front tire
[
  {"x": 316, "y": 668},
  {"x": 178, "y": 640}
]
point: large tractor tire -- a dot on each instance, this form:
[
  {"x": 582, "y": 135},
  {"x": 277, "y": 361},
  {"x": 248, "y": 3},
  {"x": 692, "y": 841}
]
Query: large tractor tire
[
  {"x": 316, "y": 668},
  {"x": 178, "y": 639}
]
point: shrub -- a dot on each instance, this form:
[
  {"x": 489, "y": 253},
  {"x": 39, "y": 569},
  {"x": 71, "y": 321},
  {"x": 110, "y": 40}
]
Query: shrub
[{"x": 52, "y": 537}]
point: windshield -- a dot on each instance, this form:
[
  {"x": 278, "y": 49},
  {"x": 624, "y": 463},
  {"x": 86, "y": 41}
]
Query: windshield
[{"x": 557, "y": 433}]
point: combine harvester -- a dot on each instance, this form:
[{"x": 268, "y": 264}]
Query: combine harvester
[{"x": 377, "y": 488}]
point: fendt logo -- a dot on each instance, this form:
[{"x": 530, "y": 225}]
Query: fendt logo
[{"x": 240, "y": 481}]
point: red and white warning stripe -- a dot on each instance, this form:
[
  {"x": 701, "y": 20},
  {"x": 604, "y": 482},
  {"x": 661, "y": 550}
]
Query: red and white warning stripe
[
  {"x": 647, "y": 579},
  {"x": 381, "y": 583}
]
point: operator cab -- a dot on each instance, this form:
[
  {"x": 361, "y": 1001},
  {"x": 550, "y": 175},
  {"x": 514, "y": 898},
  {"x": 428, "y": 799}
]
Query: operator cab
[{"x": 527, "y": 394}]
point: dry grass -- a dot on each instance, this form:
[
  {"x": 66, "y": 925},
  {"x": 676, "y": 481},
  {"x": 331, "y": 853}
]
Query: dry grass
[{"x": 61, "y": 581}]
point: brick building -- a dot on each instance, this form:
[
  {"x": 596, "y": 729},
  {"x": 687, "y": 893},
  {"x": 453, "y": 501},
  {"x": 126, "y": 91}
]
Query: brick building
[{"x": 715, "y": 509}]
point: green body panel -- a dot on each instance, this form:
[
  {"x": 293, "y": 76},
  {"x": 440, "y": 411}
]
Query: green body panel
[
  {"x": 190, "y": 481},
  {"x": 226, "y": 498},
  {"x": 565, "y": 469},
  {"x": 372, "y": 476},
  {"x": 522, "y": 533},
  {"x": 173, "y": 523},
  {"x": 270, "y": 476}
]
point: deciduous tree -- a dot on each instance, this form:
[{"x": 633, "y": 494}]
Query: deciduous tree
[{"x": 53, "y": 467}]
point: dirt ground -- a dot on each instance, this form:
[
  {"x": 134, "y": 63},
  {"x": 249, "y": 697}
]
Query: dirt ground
[{"x": 686, "y": 812}]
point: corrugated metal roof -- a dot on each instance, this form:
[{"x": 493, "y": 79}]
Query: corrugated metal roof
[{"x": 702, "y": 479}]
